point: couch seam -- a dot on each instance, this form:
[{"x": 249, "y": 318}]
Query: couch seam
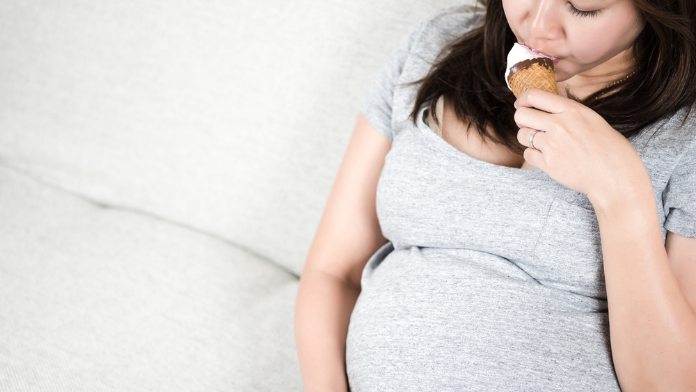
[{"x": 146, "y": 214}]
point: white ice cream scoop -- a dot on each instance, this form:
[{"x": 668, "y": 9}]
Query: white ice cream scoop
[{"x": 517, "y": 54}]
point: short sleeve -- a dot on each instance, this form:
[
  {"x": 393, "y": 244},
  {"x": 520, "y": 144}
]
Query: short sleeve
[
  {"x": 377, "y": 104},
  {"x": 679, "y": 197}
]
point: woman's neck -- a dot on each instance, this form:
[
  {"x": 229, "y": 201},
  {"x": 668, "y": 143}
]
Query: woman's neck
[{"x": 586, "y": 83}]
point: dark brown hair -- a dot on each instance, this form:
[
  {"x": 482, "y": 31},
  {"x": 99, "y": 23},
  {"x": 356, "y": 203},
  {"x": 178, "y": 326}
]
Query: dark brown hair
[{"x": 469, "y": 73}]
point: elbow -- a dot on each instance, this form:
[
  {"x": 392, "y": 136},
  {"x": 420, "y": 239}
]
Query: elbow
[{"x": 681, "y": 377}]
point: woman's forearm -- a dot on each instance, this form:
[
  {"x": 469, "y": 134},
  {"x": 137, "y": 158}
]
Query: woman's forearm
[
  {"x": 322, "y": 313},
  {"x": 652, "y": 326}
]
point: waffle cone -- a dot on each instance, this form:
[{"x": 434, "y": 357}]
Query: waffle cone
[{"x": 536, "y": 76}]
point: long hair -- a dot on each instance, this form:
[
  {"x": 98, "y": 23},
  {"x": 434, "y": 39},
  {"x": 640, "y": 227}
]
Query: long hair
[{"x": 469, "y": 73}]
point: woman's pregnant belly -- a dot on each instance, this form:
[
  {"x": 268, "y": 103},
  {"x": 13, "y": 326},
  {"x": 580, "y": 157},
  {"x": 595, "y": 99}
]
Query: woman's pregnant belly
[{"x": 460, "y": 320}]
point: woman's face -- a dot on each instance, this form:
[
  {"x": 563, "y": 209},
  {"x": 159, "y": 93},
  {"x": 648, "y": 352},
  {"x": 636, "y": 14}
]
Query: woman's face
[{"x": 582, "y": 34}]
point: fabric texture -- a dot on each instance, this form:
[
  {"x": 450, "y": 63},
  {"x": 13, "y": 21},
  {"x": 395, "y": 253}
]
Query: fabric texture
[
  {"x": 195, "y": 112},
  {"x": 163, "y": 169},
  {"x": 96, "y": 298},
  {"x": 492, "y": 279},
  {"x": 680, "y": 197}
]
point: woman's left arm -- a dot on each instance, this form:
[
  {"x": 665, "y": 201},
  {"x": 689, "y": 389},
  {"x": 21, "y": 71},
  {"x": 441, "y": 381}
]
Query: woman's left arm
[
  {"x": 652, "y": 324},
  {"x": 650, "y": 288}
]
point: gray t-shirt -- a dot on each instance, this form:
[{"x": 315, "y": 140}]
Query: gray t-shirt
[{"x": 492, "y": 279}]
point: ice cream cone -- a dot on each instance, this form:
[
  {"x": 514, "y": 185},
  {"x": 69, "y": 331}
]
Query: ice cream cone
[
  {"x": 536, "y": 73},
  {"x": 527, "y": 69}
]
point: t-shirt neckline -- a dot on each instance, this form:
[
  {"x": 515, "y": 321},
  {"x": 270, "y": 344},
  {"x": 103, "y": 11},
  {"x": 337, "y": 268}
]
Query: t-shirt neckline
[{"x": 454, "y": 154}]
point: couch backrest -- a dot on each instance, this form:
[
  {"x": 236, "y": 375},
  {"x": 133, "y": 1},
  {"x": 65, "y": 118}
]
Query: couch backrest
[{"x": 229, "y": 117}]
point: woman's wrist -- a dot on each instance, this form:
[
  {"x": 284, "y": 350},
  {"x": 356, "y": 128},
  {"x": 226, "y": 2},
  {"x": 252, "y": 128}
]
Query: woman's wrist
[
  {"x": 622, "y": 191},
  {"x": 635, "y": 197}
]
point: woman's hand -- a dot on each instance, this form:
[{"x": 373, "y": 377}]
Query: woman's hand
[{"x": 576, "y": 147}]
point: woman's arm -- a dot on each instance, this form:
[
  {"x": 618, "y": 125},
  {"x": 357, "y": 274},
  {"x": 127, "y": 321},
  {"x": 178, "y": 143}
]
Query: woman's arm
[
  {"x": 347, "y": 236},
  {"x": 652, "y": 324},
  {"x": 323, "y": 309}
]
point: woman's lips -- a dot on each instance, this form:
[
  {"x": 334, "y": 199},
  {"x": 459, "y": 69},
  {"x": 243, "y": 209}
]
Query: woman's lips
[{"x": 555, "y": 59}]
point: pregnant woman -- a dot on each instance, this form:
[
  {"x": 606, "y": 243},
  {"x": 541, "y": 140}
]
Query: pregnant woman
[{"x": 473, "y": 241}]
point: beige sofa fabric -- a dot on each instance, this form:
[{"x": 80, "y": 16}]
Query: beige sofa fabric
[
  {"x": 163, "y": 169},
  {"x": 104, "y": 299},
  {"x": 230, "y": 117}
]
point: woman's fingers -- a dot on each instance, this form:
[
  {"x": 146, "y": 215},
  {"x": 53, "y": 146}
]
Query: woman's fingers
[
  {"x": 542, "y": 100},
  {"x": 533, "y": 118},
  {"x": 525, "y": 134}
]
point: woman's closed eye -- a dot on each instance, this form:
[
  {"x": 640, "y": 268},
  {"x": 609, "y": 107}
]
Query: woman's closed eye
[{"x": 580, "y": 13}]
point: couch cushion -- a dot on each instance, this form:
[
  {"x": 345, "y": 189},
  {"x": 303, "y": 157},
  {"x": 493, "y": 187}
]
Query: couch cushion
[
  {"x": 230, "y": 117},
  {"x": 106, "y": 299}
]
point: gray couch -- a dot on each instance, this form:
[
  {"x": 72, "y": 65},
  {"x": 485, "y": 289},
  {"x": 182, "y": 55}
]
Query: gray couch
[{"x": 163, "y": 168}]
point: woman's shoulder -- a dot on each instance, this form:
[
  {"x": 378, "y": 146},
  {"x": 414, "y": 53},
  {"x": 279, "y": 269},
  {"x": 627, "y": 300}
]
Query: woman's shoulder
[
  {"x": 674, "y": 129},
  {"x": 667, "y": 141},
  {"x": 448, "y": 24},
  {"x": 459, "y": 18},
  {"x": 470, "y": 14},
  {"x": 682, "y": 125}
]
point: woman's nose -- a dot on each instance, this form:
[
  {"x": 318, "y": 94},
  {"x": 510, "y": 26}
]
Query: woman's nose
[{"x": 543, "y": 20}]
